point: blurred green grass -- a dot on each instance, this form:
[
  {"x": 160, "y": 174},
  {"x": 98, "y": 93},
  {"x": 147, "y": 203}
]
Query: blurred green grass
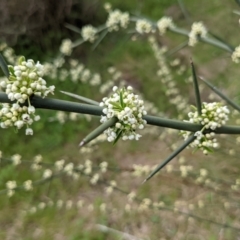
[{"x": 136, "y": 61}]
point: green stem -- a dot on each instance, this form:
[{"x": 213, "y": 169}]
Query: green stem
[
  {"x": 206, "y": 39},
  {"x": 179, "y": 31},
  {"x": 175, "y": 124},
  {"x": 217, "y": 44},
  {"x": 61, "y": 105}
]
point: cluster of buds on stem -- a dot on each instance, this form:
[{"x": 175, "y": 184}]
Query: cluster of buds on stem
[
  {"x": 117, "y": 20},
  {"x": 164, "y": 24},
  {"x": 128, "y": 109},
  {"x": 213, "y": 115},
  {"x": 89, "y": 33},
  {"x": 143, "y": 26},
  {"x": 236, "y": 55},
  {"x": 198, "y": 30},
  {"x": 24, "y": 80}
]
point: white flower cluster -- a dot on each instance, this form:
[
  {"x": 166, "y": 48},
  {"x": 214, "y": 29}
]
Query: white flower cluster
[
  {"x": 164, "y": 24},
  {"x": 89, "y": 33},
  {"x": 213, "y": 116},
  {"x": 143, "y": 26},
  {"x": 128, "y": 109},
  {"x": 16, "y": 159},
  {"x": 28, "y": 185},
  {"x": 66, "y": 47},
  {"x": 47, "y": 173},
  {"x": 107, "y": 6},
  {"x": 117, "y": 19},
  {"x": 37, "y": 163},
  {"x": 8, "y": 53},
  {"x": 198, "y": 30},
  {"x": 17, "y": 116},
  {"x": 11, "y": 186},
  {"x": 236, "y": 55},
  {"x": 25, "y": 79}
]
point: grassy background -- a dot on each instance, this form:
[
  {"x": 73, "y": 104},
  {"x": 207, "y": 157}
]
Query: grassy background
[{"x": 55, "y": 141}]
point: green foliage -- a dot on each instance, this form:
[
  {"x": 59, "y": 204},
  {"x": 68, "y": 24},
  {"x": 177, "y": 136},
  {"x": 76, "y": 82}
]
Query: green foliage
[{"x": 56, "y": 141}]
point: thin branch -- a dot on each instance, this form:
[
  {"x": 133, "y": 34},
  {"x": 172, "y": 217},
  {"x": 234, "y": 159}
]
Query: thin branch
[
  {"x": 61, "y": 105},
  {"x": 210, "y": 41}
]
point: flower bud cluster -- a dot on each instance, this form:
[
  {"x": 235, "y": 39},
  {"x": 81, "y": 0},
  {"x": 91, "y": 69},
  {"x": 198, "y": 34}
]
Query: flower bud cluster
[
  {"x": 18, "y": 116},
  {"x": 66, "y": 47},
  {"x": 24, "y": 80},
  {"x": 28, "y": 185},
  {"x": 198, "y": 30},
  {"x": 89, "y": 33},
  {"x": 143, "y": 26},
  {"x": 107, "y": 6},
  {"x": 128, "y": 109},
  {"x": 11, "y": 186},
  {"x": 213, "y": 116},
  {"x": 117, "y": 19},
  {"x": 236, "y": 55},
  {"x": 164, "y": 24}
]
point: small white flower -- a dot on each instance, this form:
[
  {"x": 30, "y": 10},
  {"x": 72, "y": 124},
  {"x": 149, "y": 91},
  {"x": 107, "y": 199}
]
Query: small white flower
[
  {"x": 198, "y": 30},
  {"x": 164, "y": 23},
  {"x": 236, "y": 55},
  {"x": 213, "y": 115},
  {"x": 36, "y": 118},
  {"x": 29, "y": 64},
  {"x": 11, "y": 185},
  {"x": 66, "y": 47},
  {"x": 28, "y": 185},
  {"x": 103, "y": 166},
  {"x": 47, "y": 173},
  {"x": 89, "y": 33},
  {"x": 94, "y": 179},
  {"x": 31, "y": 109},
  {"x": 107, "y": 6},
  {"x": 41, "y": 205},
  {"x": 29, "y": 131},
  {"x": 59, "y": 164},
  {"x": 115, "y": 88},
  {"x": 16, "y": 159},
  {"x": 124, "y": 20},
  {"x": 69, "y": 168},
  {"x": 117, "y": 19},
  {"x": 143, "y": 26},
  {"x": 32, "y": 75}
]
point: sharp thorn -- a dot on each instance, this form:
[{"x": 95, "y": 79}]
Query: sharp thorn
[
  {"x": 81, "y": 143},
  {"x": 144, "y": 181}
]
